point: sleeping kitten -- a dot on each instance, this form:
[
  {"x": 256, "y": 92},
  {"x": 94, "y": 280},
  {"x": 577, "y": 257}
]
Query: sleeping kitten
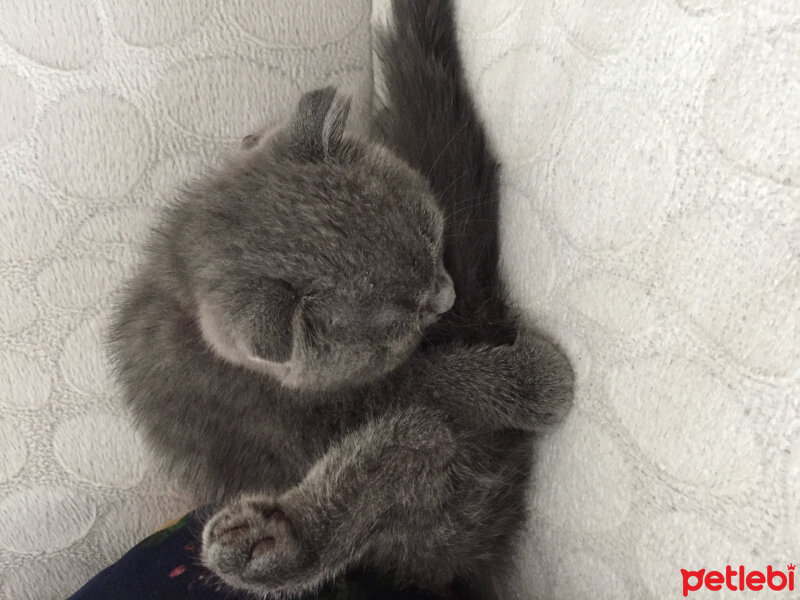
[{"x": 283, "y": 345}]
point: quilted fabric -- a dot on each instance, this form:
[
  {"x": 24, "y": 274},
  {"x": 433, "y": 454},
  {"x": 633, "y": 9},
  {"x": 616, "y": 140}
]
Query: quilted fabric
[
  {"x": 104, "y": 106},
  {"x": 651, "y": 222}
]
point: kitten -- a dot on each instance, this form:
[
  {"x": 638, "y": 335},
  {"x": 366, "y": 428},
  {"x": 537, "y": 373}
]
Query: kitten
[{"x": 317, "y": 339}]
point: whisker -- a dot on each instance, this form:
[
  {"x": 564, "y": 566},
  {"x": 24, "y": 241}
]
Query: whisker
[
  {"x": 446, "y": 146},
  {"x": 456, "y": 180}
]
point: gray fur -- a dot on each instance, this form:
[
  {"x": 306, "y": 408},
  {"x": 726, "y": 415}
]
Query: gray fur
[{"x": 270, "y": 349}]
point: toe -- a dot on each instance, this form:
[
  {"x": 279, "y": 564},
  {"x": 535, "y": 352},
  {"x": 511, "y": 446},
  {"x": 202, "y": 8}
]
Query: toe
[
  {"x": 262, "y": 547},
  {"x": 228, "y": 535}
]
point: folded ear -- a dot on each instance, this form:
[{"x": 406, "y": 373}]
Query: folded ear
[
  {"x": 244, "y": 331},
  {"x": 318, "y": 123},
  {"x": 271, "y": 335}
]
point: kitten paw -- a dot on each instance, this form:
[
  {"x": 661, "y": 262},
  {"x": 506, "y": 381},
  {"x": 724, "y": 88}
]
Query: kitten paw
[
  {"x": 252, "y": 544},
  {"x": 545, "y": 371}
]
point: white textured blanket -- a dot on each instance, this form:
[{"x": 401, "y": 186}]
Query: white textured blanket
[{"x": 651, "y": 222}]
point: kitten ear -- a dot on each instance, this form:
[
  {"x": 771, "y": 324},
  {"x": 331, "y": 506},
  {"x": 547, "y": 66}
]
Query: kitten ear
[
  {"x": 249, "y": 141},
  {"x": 248, "y": 332},
  {"x": 272, "y": 337},
  {"x": 318, "y": 123}
]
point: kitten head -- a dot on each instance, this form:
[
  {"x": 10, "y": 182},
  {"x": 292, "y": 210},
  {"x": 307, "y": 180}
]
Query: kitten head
[{"x": 313, "y": 257}]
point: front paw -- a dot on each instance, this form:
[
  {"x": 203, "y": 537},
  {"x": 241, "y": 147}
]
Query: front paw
[
  {"x": 546, "y": 376},
  {"x": 252, "y": 544}
]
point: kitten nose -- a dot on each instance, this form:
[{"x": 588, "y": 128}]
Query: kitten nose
[{"x": 445, "y": 297}]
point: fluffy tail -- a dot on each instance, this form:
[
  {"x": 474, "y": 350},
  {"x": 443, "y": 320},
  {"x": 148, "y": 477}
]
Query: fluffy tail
[{"x": 424, "y": 112}]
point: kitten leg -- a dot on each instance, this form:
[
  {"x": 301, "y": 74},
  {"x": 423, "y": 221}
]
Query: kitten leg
[
  {"x": 377, "y": 498},
  {"x": 527, "y": 385},
  {"x": 411, "y": 492}
]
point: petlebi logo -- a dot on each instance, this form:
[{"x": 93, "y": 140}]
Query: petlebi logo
[{"x": 739, "y": 579}]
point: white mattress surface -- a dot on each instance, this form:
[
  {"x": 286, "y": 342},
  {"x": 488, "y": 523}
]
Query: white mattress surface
[{"x": 651, "y": 222}]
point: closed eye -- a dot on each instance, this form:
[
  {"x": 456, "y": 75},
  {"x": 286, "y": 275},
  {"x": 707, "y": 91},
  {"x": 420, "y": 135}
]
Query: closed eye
[{"x": 388, "y": 318}]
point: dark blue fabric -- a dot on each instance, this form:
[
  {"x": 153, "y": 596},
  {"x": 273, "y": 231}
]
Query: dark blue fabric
[{"x": 166, "y": 566}]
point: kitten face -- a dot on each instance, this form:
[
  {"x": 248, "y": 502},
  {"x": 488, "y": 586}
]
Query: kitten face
[{"x": 314, "y": 258}]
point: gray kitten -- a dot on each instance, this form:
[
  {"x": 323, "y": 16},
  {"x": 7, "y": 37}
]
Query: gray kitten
[{"x": 292, "y": 348}]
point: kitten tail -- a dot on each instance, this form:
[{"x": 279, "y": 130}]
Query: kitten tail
[{"x": 424, "y": 112}]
